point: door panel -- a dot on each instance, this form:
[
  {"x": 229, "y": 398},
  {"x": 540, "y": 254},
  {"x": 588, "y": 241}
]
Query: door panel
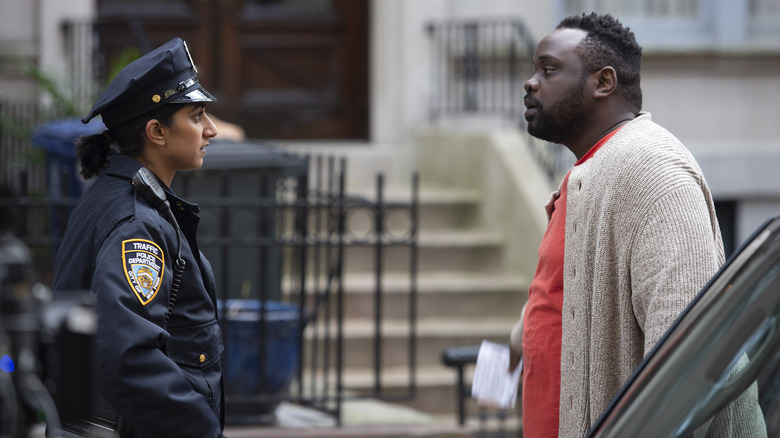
[{"x": 289, "y": 69}]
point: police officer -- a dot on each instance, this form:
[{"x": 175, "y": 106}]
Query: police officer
[{"x": 132, "y": 241}]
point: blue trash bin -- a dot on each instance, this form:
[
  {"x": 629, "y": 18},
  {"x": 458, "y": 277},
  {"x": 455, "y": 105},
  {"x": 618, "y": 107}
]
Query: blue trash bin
[
  {"x": 241, "y": 319},
  {"x": 58, "y": 141}
]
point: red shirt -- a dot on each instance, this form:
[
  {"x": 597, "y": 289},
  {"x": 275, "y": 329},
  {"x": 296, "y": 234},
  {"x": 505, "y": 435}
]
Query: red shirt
[{"x": 542, "y": 323}]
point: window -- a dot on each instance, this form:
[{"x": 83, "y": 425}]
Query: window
[
  {"x": 764, "y": 18},
  {"x": 662, "y": 25}
]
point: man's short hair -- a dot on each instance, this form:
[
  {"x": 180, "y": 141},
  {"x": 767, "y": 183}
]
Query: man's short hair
[{"x": 609, "y": 43}]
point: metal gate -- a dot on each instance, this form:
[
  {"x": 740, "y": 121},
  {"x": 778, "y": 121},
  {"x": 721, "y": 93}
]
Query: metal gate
[{"x": 276, "y": 227}]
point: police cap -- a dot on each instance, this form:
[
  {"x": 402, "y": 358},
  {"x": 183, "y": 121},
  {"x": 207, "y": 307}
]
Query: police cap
[{"x": 164, "y": 75}]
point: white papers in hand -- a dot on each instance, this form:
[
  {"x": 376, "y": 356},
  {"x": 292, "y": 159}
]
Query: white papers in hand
[{"x": 492, "y": 383}]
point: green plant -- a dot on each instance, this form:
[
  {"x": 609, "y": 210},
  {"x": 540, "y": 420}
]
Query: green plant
[
  {"x": 62, "y": 97},
  {"x": 126, "y": 56},
  {"x": 20, "y": 128}
]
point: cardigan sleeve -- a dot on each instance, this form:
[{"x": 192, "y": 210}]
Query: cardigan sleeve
[{"x": 672, "y": 257}]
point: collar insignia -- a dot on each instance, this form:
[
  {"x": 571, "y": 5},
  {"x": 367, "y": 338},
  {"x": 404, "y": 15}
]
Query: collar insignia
[{"x": 144, "y": 264}]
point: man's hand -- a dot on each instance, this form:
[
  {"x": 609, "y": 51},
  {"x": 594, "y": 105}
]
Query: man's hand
[
  {"x": 551, "y": 204},
  {"x": 514, "y": 358},
  {"x": 516, "y": 342}
]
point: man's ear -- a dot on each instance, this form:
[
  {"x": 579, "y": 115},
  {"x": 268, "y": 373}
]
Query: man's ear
[
  {"x": 155, "y": 131},
  {"x": 606, "y": 82}
]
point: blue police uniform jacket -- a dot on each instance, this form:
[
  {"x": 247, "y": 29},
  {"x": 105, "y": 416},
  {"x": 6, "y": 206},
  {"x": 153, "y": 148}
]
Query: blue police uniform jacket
[{"x": 164, "y": 379}]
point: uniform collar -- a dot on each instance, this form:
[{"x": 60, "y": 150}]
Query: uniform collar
[{"x": 123, "y": 166}]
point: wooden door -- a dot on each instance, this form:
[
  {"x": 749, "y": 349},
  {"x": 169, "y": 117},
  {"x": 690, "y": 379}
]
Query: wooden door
[
  {"x": 282, "y": 69},
  {"x": 130, "y": 28}
]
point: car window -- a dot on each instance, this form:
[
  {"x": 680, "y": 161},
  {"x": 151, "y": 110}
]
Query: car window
[
  {"x": 715, "y": 372},
  {"x": 769, "y": 395}
]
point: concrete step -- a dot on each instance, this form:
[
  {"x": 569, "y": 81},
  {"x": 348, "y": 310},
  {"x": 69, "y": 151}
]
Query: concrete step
[
  {"x": 433, "y": 385},
  {"x": 366, "y": 418},
  {"x": 436, "y": 388},
  {"x": 459, "y": 251},
  {"x": 439, "y": 293},
  {"x": 433, "y": 336},
  {"x": 468, "y": 250},
  {"x": 437, "y": 210},
  {"x": 486, "y": 422},
  {"x": 360, "y": 419},
  {"x": 449, "y": 209},
  {"x": 464, "y": 296}
]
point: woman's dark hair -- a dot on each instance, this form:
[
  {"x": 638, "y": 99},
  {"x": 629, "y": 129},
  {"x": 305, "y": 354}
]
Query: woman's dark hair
[
  {"x": 609, "y": 43},
  {"x": 126, "y": 138}
]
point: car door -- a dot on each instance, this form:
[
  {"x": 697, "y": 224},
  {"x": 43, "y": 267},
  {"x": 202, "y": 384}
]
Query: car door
[{"x": 722, "y": 350}]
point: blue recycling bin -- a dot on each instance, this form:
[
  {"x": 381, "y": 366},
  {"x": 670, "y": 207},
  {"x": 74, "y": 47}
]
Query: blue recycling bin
[
  {"x": 58, "y": 141},
  {"x": 245, "y": 375}
]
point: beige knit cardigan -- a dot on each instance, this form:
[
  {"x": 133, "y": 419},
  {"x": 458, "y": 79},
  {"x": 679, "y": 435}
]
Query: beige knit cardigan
[{"x": 642, "y": 239}]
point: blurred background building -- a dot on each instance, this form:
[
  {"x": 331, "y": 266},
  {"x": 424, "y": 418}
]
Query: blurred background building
[{"x": 433, "y": 86}]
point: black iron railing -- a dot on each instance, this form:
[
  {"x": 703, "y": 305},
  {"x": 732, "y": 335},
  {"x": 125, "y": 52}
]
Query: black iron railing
[
  {"x": 22, "y": 167},
  {"x": 276, "y": 228},
  {"x": 298, "y": 224},
  {"x": 83, "y": 64},
  {"x": 478, "y": 68}
]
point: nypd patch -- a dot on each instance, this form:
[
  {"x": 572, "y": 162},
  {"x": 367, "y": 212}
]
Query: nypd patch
[{"x": 144, "y": 264}]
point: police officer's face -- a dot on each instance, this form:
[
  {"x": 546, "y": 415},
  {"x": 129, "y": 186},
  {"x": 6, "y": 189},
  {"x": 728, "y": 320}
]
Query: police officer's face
[
  {"x": 189, "y": 134},
  {"x": 555, "y": 98}
]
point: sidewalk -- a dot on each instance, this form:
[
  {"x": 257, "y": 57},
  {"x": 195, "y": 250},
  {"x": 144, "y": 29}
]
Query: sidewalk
[{"x": 360, "y": 418}]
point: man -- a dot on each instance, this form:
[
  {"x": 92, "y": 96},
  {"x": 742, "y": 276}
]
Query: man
[{"x": 632, "y": 233}]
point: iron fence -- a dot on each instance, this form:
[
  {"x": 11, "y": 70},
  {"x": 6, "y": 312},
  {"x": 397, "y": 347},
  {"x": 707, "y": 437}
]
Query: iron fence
[
  {"x": 22, "y": 167},
  {"x": 275, "y": 231},
  {"x": 478, "y": 68},
  {"x": 83, "y": 64},
  {"x": 285, "y": 240}
]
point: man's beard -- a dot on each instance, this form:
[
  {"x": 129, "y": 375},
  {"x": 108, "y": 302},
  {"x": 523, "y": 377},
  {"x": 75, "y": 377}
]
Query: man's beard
[{"x": 565, "y": 118}]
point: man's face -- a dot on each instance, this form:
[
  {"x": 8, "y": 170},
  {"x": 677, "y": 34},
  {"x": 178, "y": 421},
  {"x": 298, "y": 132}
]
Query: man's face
[{"x": 555, "y": 93}]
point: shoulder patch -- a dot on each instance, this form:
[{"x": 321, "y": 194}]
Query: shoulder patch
[{"x": 144, "y": 264}]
